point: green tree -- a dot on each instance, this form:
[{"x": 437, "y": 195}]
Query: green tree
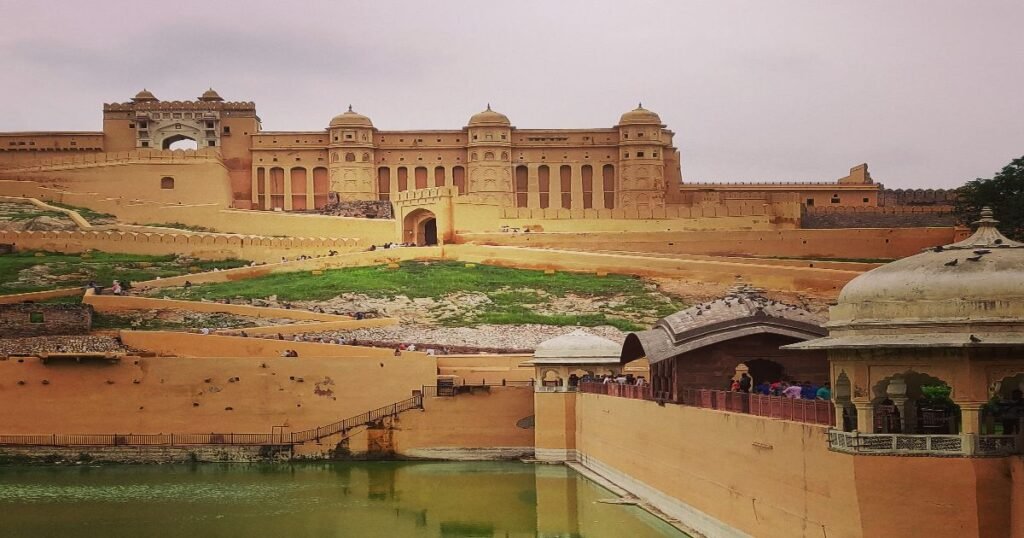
[{"x": 1004, "y": 193}]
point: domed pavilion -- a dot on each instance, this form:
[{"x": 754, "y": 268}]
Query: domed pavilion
[{"x": 929, "y": 350}]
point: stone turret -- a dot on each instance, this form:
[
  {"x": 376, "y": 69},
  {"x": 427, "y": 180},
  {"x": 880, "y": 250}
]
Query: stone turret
[
  {"x": 641, "y": 164},
  {"x": 489, "y": 157},
  {"x": 352, "y": 156}
]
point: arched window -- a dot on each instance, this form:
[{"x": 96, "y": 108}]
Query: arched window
[
  {"x": 472, "y": 157},
  {"x": 489, "y": 156},
  {"x": 504, "y": 155},
  {"x": 167, "y": 183},
  {"x": 366, "y": 157},
  {"x": 350, "y": 157},
  {"x": 334, "y": 157}
]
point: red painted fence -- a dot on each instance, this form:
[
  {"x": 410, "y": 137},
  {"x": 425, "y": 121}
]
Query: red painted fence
[{"x": 807, "y": 411}]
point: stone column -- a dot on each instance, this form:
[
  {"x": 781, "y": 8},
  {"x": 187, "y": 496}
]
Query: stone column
[
  {"x": 287, "y": 172},
  {"x": 576, "y": 186},
  {"x": 865, "y": 417},
  {"x": 897, "y": 392},
  {"x": 310, "y": 200},
  {"x": 255, "y": 188},
  {"x": 533, "y": 186},
  {"x": 449, "y": 176},
  {"x": 970, "y": 417}
]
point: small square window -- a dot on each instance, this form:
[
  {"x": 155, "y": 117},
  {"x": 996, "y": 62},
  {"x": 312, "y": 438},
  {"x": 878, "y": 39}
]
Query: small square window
[
  {"x": 131, "y": 125},
  {"x": 639, "y": 154},
  {"x": 145, "y": 144},
  {"x": 865, "y": 200},
  {"x": 35, "y": 317},
  {"x": 211, "y": 143}
]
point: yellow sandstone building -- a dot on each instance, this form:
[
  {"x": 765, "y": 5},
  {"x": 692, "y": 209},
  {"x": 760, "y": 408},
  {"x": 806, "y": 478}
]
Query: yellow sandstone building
[{"x": 632, "y": 164}]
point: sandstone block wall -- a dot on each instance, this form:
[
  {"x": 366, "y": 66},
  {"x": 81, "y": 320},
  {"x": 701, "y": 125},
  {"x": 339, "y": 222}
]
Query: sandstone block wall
[
  {"x": 143, "y": 454},
  {"x": 28, "y": 319},
  {"x": 877, "y": 217}
]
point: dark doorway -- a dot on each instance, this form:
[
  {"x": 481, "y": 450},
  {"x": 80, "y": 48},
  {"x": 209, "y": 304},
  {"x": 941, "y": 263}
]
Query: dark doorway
[
  {"x": 763, "y": 370},
  {"x": 430, "y": 232}
]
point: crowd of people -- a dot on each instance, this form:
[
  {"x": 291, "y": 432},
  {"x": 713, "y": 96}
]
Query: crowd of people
[
  {"x": 803, "y": 390},
  {"x": 606, "y": 379}
]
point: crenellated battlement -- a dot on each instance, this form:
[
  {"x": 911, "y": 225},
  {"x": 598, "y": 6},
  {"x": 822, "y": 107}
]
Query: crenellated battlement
[
  {"x": 119, "y": 157},
  {"x": 179, "y": 105}
]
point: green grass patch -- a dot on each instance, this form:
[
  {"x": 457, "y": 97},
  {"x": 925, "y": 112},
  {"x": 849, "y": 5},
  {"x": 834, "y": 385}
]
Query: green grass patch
[
  {"x": 85, "y": 212},
  {"x": 515, "y": 296},
  {"x": 180, "y": 226},
  {"x": 26, "y": 271},
  {"x": 414, "y": 280}
]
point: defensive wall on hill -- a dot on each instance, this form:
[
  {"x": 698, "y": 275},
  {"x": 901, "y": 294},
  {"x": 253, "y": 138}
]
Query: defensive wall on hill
[
  {"x": 199, "y": 245},
  {"x": 860, "y": 243},
  {"x": 924, "y": 216}
]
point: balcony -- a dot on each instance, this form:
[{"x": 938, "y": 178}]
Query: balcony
[{"x": 924, "y": 445}]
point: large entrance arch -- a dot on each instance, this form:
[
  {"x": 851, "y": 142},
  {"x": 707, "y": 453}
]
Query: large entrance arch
[
  {"x": 420, "y": 228},
  {"x": 180, "y": 142}
]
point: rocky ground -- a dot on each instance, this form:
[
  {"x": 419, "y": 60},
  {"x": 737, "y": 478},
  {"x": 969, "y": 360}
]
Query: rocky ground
[
  {"x": 60, "y": 344},
  {"x": 485, "y": 338},
  {"x": 170, "y": 320}
]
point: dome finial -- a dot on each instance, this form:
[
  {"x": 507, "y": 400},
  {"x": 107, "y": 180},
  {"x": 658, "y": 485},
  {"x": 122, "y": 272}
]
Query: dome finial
[
  {"x": 986, "y": 235},
  {"x": 488, "y": 106},
  {"x": 639, "y": 104},
  {"x": 987, "y": 217},
  {"x": 350, "y": 108}
]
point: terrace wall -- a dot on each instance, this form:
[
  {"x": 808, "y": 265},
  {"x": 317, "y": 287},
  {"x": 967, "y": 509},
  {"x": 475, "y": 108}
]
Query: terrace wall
[
  {"x": 199, "y": 245},
  {"x": 16, "y": 320},
  {"x": 196, "y": 395},
  {"x": 876, "y": 243}
]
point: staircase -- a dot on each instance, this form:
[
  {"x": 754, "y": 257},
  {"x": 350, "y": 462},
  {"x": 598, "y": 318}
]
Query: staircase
[{"x": 364, "y": 419}]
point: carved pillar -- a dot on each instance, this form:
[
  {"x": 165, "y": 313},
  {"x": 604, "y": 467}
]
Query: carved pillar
[
  {"x": 533, "y": 186},
  {"x": 310, "y": 200},
  {"x": 576, "y": 186},
  {"x": 287, "y": 173},
  {"x": 865, "y": 417}
]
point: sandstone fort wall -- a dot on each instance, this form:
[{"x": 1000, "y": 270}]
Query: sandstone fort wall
[
  {"x": 197, "y": 394},
  {"x": 727, "y": 474},
  {"x": 874, "y": 243}
]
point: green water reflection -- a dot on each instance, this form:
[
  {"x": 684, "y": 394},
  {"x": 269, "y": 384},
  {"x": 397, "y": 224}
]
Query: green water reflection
[{"x": 385, "y": 499}]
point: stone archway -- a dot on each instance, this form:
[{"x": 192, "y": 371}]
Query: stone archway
[
  {"x": 180, "y": 142},
  {"x": 420, "y": 228}
]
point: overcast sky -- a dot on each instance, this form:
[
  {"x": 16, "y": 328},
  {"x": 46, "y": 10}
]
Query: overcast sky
[{"x": 929, "y": 92}]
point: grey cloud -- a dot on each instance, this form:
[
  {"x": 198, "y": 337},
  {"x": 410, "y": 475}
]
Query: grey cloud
[{"x": 926, "y": 91}]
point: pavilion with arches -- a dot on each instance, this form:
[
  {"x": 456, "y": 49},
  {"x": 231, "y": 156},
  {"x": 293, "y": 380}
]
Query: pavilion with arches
[
  {"x": 708, "y": 345},
  {"x": 927, "y": 351}
]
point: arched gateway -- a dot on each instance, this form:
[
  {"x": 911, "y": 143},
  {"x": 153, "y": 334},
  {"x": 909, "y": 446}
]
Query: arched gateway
[{"x": 420, "y": 228}]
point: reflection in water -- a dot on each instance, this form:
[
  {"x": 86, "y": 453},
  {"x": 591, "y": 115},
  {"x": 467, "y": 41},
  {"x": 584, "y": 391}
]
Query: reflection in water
[{"x": 366, "y": 499}]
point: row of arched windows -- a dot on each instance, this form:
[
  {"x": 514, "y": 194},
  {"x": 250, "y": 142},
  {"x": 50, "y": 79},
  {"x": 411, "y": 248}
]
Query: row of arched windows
[
  {"x": 420, "y": 179},
  {"x": 350, "y": 157},
  {"x": 563, "y": 194}
]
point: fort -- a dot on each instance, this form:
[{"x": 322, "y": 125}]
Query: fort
[{"x": 922, "y": 354}]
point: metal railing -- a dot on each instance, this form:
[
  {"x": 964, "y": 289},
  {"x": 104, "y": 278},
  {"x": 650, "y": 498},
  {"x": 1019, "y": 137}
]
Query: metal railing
[
  {"x": 614, "y": 389},
  {"x": 433, "y": 391},
  {"x": 191, "y": 439},
  {"x": 939, "y": 445},
  {"x": 779, "y": 407}
]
